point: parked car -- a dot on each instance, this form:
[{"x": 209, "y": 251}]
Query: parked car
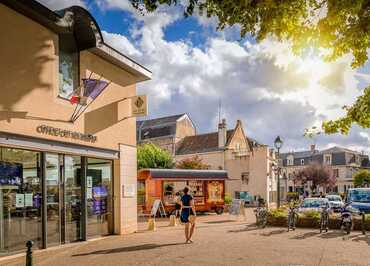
[
  {"x": 359, "y": 198},
  {"x": 335, "y": 202},
  {"x": 313, "y": 204}
]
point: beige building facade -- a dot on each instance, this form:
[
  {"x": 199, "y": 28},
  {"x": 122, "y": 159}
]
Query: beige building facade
[
  {"x": 64, "y": 178},
  {"x": 343, "y": 162},
  {"x": 249, "y": 164}
]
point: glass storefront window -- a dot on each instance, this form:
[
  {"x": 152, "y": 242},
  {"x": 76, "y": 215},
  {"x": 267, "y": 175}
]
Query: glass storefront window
[
  {"x": 52, "y": 177},
  {"x": 20, "y": 199},
  {"x": 72, "y": 198},
  {"x": 169, "y": 191},
  {"x": 99, "y": 197}
]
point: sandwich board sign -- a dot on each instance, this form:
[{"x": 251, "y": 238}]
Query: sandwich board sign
[
  {"x": 236, "y": 207},
  {"x": 158, "y": 206}
]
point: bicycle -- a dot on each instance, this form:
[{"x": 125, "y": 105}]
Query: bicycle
[
  {"x": 292, "y": 216},
  {"x": 324, "y": 219},
  {"x": 261, "y": 216}
]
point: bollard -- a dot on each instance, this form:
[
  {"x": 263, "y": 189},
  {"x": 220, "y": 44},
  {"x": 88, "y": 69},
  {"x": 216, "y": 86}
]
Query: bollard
[
  {"x": 29, "y": 258},
  {"x": 363, "y": 224}
]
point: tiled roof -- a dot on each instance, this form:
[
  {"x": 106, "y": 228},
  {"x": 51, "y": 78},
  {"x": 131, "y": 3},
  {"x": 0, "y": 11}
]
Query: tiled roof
[
  {"x": 336, "y": 149},
  {"x": 201, "y": 143},
  {"x": 158, "y": 127},
  {"x": 159, "y": 121}
]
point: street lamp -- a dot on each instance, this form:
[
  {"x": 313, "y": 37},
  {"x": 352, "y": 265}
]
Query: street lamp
[{"x": 278, "y": 143}]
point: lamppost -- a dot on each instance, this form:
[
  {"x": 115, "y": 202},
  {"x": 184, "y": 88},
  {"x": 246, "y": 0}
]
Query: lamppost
[{"x": 278, "y": 143}]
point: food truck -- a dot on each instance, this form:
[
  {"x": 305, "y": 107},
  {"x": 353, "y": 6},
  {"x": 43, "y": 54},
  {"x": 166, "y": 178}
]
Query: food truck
[{"x": 206, "y": 186}]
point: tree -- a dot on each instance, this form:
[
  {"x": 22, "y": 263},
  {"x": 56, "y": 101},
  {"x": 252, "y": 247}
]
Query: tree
[
  {"x": 361, "y": 178},
  {"x": 318, "y": 174},
  {"x": 152, "y": 156},
  {"x": 194, "y": 162},
  {"x": 339, "y": 27}
]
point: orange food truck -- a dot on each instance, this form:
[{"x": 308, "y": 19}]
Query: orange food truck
[{"x": 206, "y": 186}]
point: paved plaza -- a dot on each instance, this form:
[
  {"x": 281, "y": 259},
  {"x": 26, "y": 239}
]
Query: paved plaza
[{"x": 219, "y": 240}]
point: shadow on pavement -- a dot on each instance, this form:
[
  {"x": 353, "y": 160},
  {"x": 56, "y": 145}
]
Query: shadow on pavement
[
  {"x": 126, "y": 249},
  {"x": 246, "y": 229},
  {"x": 273, "y": 232},
  {"x": 365, "y": 238},
  {"x": 305, "y": 235},
  {"x": 219, "y": 222}
]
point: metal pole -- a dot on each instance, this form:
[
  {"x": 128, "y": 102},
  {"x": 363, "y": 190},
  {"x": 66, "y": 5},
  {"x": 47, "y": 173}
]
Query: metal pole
[
  {"x": 278, "y": 179},
  {"x": 29, "y": 258}
]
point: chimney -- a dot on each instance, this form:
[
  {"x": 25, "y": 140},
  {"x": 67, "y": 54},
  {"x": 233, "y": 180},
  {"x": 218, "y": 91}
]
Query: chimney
[
  {"x": 222, "y": 134},
  {"x": 312, "y": 148}
]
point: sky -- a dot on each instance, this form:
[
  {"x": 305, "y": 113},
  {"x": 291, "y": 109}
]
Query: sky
[{"x": 195, "y": 68}]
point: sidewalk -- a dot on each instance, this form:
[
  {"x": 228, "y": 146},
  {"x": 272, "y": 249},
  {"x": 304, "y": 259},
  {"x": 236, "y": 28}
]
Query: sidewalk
[{"x": 218, "y": 240}]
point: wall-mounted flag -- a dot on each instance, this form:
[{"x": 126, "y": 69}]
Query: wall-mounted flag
[{"x": 91, "y": 89}]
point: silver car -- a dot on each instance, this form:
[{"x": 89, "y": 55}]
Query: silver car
[
  {"x": 335, "y": 202},
  {"x": 313, "y": 204}
]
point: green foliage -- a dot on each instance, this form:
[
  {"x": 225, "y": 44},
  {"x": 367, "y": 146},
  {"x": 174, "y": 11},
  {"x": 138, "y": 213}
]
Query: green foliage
[
  {"x": 358, "y": 113},
  {"x": 361, "y": 178},
  {"x": 311, "y": 214},
  {"x": 194, "y": 162},
  {"x": 340, "y": 27},
  {"x": 228, "y": 198},
  {"x": 292, "y": 196},
  {"x": 152, "y": 156},
  {"x": 277, "y": 213}
]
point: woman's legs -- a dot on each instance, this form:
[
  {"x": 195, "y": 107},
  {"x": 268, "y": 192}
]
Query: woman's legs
[
  {"x": 187, "y": 232},
  {"x": 192, "y": 227}
]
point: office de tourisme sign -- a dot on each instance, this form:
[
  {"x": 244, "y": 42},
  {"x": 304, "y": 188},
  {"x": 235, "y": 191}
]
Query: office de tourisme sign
[{"x": 59, "y": 132}]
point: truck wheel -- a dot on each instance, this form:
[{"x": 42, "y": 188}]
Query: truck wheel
[{"x": 219, "y": 211}]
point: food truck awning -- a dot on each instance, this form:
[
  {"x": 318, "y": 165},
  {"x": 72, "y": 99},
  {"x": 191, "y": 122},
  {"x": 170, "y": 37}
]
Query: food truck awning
[{"x": 183, "y": 174}]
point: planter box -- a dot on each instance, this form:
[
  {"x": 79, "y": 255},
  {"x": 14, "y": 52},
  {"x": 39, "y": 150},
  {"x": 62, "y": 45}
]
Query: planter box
[
  {"x": 276, "y": 221},
  {"x": 306, "y": 222}
]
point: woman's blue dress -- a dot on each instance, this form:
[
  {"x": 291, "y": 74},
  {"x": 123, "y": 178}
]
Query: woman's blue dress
[{"x": 186, "y": 209}]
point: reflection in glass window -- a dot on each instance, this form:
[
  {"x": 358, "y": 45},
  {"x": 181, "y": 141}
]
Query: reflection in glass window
[
  {"x": 20, "y": 199},
  {"x": 68, "y": 66}
]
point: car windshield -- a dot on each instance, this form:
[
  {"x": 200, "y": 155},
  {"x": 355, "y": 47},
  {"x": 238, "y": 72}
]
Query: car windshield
[
  {"x": 313, "y": 203},
  {"x": 334, "y": 198},
  {"x": 359, "y": 195}
]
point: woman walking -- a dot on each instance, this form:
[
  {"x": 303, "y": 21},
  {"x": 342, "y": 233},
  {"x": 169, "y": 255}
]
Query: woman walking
[{"x": 188, "y": 214}]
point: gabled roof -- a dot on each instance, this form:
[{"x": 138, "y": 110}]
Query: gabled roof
[
  {"x": 201, "y": 143},
  {"x": 337, "y": 149}
]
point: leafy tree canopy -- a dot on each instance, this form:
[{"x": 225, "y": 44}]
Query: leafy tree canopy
[
  {"x": 361, "y": 178},
  {"x": 152, "y": 156},
  {"x": 194, "y": 162},
  {"x": 316, "y": 173},
  {"x": 339, "y": 26}
]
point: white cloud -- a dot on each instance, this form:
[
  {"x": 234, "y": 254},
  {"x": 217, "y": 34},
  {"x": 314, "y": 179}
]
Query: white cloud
[
  {"x": 264, "y": 84},
  {"x": 60, "y": 4}
]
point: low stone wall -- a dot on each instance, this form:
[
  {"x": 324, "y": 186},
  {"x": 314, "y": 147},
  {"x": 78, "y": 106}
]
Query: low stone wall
[{"x": 308, "y": 222}]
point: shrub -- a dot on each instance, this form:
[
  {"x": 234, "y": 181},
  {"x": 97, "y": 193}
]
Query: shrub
[
  {"x": 277, "y": 213},
  {"x": 311, "y": 214},
  {"x": 228, "y": 198}
]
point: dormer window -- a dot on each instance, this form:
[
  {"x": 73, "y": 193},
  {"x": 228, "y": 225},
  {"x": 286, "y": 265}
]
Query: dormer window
[
  {"x": 302, "y": 161},
  {"x": 68, "y": 66},
  {"x": 290, "y": 160},
  {"x": 327, "y": 159}
]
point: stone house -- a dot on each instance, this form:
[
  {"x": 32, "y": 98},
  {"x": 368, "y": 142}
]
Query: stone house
[
  {"x": 249, "y": 164},
  {"x": 344, "y": 163}
]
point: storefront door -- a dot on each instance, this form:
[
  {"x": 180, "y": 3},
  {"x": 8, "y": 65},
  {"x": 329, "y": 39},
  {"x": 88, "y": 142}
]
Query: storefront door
[{"x": 72, "y": 199}]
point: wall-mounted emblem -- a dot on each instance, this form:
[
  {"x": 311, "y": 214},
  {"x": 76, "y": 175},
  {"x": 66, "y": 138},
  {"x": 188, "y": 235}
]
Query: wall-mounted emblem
[{"x": 139, "y": 105}]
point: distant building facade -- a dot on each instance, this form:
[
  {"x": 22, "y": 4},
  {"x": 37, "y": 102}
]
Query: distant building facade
[
  {"x": 344, "y": 163},
  {"x": 249, "y": 164}
]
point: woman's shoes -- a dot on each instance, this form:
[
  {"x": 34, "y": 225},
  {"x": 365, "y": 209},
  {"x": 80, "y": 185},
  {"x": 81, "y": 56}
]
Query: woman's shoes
[{"x": 189, "y": 241}]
